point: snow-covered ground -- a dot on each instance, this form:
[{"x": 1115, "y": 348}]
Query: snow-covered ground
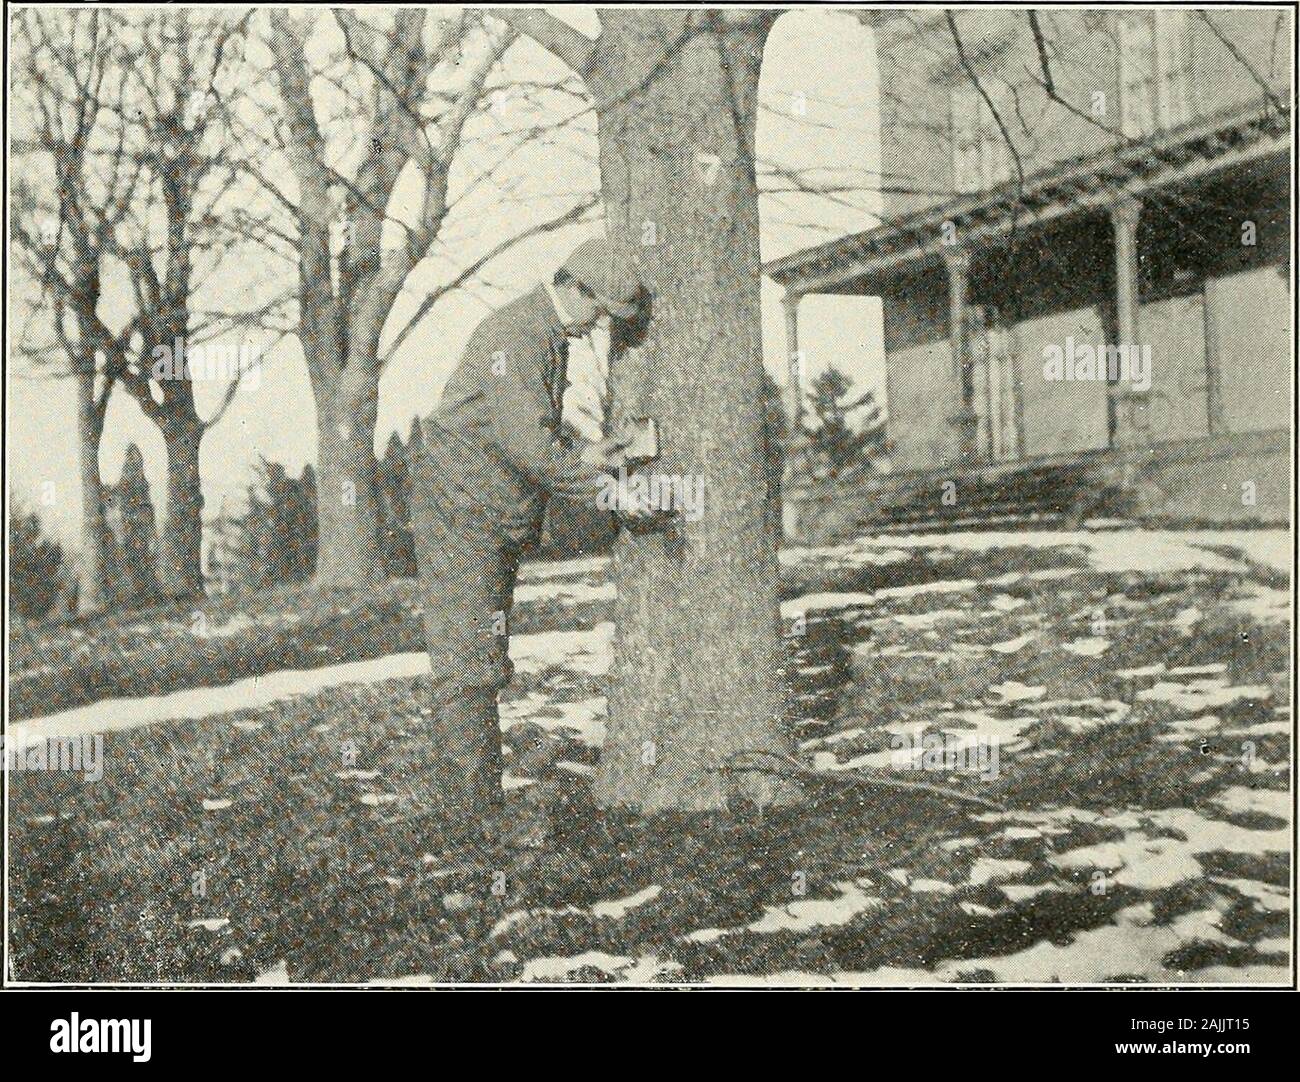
[{"x": 1157, "y": 849}]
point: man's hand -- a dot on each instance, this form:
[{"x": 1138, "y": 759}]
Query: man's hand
[{"x": 607, "y": 454}]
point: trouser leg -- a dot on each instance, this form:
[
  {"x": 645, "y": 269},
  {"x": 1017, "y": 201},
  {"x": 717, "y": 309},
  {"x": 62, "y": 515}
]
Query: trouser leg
[{"x": 467, "y": 577}]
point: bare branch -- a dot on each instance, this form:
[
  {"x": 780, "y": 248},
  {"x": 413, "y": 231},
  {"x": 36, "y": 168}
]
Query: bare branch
[{"x": 554, "y": 35}]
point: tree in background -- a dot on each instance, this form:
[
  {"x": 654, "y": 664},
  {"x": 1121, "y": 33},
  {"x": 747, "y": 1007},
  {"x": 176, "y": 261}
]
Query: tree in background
[
  {"x": 276, "y": 537},
  {"x": 836, "y": 439},
  {"x": 35, "y": 566},
  {"x": 130, "y": 517},
  {"x": 397, "y": 544},
  {"x": 61, "y": 230},
  {"x": 412, "y": 79},
  {"x": 131, "y": 190}
]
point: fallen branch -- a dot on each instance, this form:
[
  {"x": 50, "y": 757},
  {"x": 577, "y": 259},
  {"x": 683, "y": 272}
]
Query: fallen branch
[{"x": 792, "y": 768}]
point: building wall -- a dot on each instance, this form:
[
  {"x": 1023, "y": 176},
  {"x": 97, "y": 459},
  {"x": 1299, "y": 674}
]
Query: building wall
[
  {"x": 1060, "y": 417},
  {"x": 923, "y": 398},
  {"x": 1249, "y": 330},
  {"x": 1205, "y": 295},
  {"x": 920, "y": 68},
  {"x": 921, "y": 383}
]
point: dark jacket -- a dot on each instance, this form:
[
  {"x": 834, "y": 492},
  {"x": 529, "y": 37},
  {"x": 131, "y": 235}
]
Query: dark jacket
[{"x": 494, "y": 445}]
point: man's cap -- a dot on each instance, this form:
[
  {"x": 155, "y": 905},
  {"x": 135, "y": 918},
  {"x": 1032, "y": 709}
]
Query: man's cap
[{"x": 597, "y": 264}]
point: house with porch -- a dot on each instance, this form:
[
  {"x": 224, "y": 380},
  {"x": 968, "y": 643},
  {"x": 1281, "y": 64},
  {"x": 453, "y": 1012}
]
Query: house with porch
[{"x": 1084, "y": 264}]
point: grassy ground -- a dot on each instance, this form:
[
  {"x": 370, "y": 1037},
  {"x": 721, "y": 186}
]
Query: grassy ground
[
  {"x": 59, "y": 665},
  {"x": 1140, "y": 841}
]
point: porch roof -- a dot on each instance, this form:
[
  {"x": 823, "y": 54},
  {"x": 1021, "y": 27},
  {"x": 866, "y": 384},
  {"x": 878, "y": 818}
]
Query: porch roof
[{"x": 1076, "y": 186}]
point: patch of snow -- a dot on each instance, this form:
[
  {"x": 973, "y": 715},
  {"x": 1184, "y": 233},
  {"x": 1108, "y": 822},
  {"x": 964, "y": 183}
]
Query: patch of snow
[
  {"x": 1093, "y": 647},
  {"x": 849, "y": 556},
  {"x": 237, "y": 623},
  {"x": 1027, "y": 892},
  {"x": 1007, "y": 603},
  {"x": 818, "y": 602},
  {"x": 1151, "y": 552},
  {"x": 885, "y": 977},
  {"x": 1013, "y": 646},
  {"x": 1272, "y": 802},
  {"x": 809, "y": 913},
  {"x": 579, "y": 567},
  {"x": 210, "y": 924},
  {"x": 801, "y": 606},
  {"x": 1218, "y": 668},
  {"x": 277, "y": 976},
  {"x": 583, "y": 769},
  {"x": 1130, "y": 945},
  {"x": 1188, "y": 729},
  {"x": 1147, "y": 863},
  {"x": 1146, "y": 670},
  {"x": 1263, "y": 604},
  {"x": 583, "y": 719},
  {"x": 517, "y": 917},
  {"x": 991, "y": 870},
  {"x": 924, "y": 620},
  {"x": 1013, "y": 691},
  {"x": 1200, "y": 695},
  {"x": 585, "y": 651},
  {"x": 1264, "y": 895},
  {"x": 628, "y": 970},
  {"x": 617, "y": 909}
]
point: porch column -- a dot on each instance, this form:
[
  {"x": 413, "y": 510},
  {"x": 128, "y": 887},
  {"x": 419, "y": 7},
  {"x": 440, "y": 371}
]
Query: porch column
[
  {"x": 794, "y": 362},
  {"x": 962, "y": 417},
  {"x": 1130, "y": 405}
]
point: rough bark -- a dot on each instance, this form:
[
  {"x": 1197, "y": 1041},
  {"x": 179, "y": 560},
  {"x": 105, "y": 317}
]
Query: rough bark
[
  {"x": 698, "y": 651},
  {"x": 180, "y": 554},
  {"x": 94, "y": 538},
  {"x": 347, "y": 503}
]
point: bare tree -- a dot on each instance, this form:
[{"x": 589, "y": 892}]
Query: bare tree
[
  {"x": 143, "y": 174},
  {"x": 178, "y": 101},
  {"x": 421, "y": 75},
  {"x": 61, "y": 231}
]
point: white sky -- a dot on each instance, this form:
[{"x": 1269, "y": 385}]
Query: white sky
[{"x": 819, "y": 97}]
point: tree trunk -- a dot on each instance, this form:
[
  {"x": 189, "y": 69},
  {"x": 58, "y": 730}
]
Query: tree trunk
[
  {"x": 94, "y": 536},
  {"x": 181, "y": 557},
  {"x": 347, "y": 502},
  {"x": 698, "y": 653}
]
